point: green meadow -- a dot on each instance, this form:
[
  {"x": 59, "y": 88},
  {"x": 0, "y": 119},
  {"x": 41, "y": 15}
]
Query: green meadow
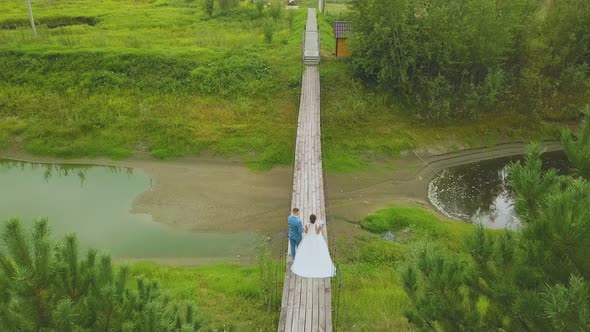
[
  {"x": 228, "y": 297},
  {"x": 155, "y": 76},
  {"x": 125, "y": 78}
]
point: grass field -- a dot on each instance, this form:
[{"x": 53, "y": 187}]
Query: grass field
[
  {"x": 336, "y": 7},
  {"x": 372, "y": 297},
  {"x": 159, "y": 76},
  {"x": 116, "y": 78},
  {"x": 367, "y": 293},
  {"x": 228, "y": 297}
]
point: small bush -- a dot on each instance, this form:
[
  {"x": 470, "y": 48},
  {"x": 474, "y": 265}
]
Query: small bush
[
  {"x": 208, "y": 7},
  {"x": 259, "y": 7},
  {"x": 268, "y": 27},
  {"x": 294, "y": 82},
  {"x": 276, "y": 10}
]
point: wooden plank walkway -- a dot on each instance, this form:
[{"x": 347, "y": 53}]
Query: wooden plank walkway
[
  {"x": 311, "y": 39},
  {"x": 307, "y": 302}
]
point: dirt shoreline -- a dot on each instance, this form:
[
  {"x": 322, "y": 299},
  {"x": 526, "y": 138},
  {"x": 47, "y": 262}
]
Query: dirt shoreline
[
  {"x": 208, "y": 194},
  {"x": 201, "y": 194}
]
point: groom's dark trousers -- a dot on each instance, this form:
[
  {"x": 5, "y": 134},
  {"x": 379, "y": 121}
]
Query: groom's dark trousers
[
  {"x": 295, "y": 233},
  {"x": 294, "y": 245}
]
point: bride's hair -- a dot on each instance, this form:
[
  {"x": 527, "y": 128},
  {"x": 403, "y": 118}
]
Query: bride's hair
[{"x": 312, "y": 218}]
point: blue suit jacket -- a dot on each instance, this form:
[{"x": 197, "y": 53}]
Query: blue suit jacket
[{"x": 295, "y": 228}]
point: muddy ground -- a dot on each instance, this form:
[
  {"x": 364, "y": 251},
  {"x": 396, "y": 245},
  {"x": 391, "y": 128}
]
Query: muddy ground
[{"x": 222, "y": 195}]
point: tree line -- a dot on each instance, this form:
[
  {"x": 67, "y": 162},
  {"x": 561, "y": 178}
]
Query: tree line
[
  {"x": 448, "y": 59},
  {"x": 532, "y": 279}
]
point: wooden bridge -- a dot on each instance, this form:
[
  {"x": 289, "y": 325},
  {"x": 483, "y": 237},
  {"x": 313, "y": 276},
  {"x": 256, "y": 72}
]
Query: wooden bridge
[{"x": 307, "y": 302}]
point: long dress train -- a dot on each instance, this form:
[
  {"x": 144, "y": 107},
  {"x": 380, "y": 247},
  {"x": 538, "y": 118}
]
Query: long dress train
[{"x": 312, "y": 259}]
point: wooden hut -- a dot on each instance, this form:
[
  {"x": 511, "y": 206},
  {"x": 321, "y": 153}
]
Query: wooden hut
[{"x": 341, "y": 33}]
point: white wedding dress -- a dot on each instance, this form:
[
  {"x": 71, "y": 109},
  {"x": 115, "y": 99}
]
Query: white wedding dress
[{"x": 312, "y": 259}]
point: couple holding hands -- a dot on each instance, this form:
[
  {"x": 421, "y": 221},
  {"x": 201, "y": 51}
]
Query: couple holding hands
[{"x": 311, "y": 257}]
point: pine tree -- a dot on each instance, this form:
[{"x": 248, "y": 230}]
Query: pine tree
[
  {"x": 577, "y": 146},
  {"x": 208, "y": 7},
  {"x": 436, "y": 287},
  {"x": 567, "y": 307},
  {"x": 531, "y": 183},
  {"x": 44, "y": 285},
  {"x": 525, "y": 280},
  {"x": 28, "y": 272}
]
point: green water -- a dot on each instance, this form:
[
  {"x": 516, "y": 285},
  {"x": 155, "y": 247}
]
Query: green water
[{"x": 95, "y": 203}]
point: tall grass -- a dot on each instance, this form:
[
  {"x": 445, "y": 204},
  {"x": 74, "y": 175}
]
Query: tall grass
[
  {"x": 271, "y": 277},
  {"x": 276, "y": 10},
  {"x": 158, "y": 75},
  {"x": 227, "y": 295},
  {"x": 228, "y": 4},
  {"x": 230, "y": 297},
  {"x": 260, "y": 7},
  {"x": 360, "y": 125},
  {"x": 268, "y": 28},
  {"x": 121, "y": 77},
  {"x": 291, "y": 19}
]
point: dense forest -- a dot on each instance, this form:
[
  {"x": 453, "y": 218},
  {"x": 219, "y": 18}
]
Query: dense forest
[{"x": 445, "y": 59}]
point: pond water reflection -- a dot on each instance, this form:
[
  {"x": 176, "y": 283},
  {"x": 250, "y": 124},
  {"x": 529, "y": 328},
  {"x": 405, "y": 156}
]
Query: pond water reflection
[
  {"x": 480, "y": 192},
  {"x": 95, "y": 203}
]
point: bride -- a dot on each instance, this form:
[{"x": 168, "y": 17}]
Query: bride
[{"x": 313, "y": 258}]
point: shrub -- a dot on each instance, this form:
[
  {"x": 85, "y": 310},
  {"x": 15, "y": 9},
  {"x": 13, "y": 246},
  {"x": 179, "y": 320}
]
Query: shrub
[
  {"x": 276, "y": 10},
  {"x": 268, "y": 27},
  {"x": 577, "y": 146},
  {"x": 208, "y": 7},
  {"x": 259, "y": 7}
]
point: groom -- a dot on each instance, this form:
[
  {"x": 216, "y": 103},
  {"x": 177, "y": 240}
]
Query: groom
[{"x": 295, "y": 230}]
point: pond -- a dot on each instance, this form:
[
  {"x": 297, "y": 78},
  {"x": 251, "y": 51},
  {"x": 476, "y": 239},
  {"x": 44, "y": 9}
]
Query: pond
[
  {"x": 480, "y": 192},
  {"x": 95, "y": 203}
]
